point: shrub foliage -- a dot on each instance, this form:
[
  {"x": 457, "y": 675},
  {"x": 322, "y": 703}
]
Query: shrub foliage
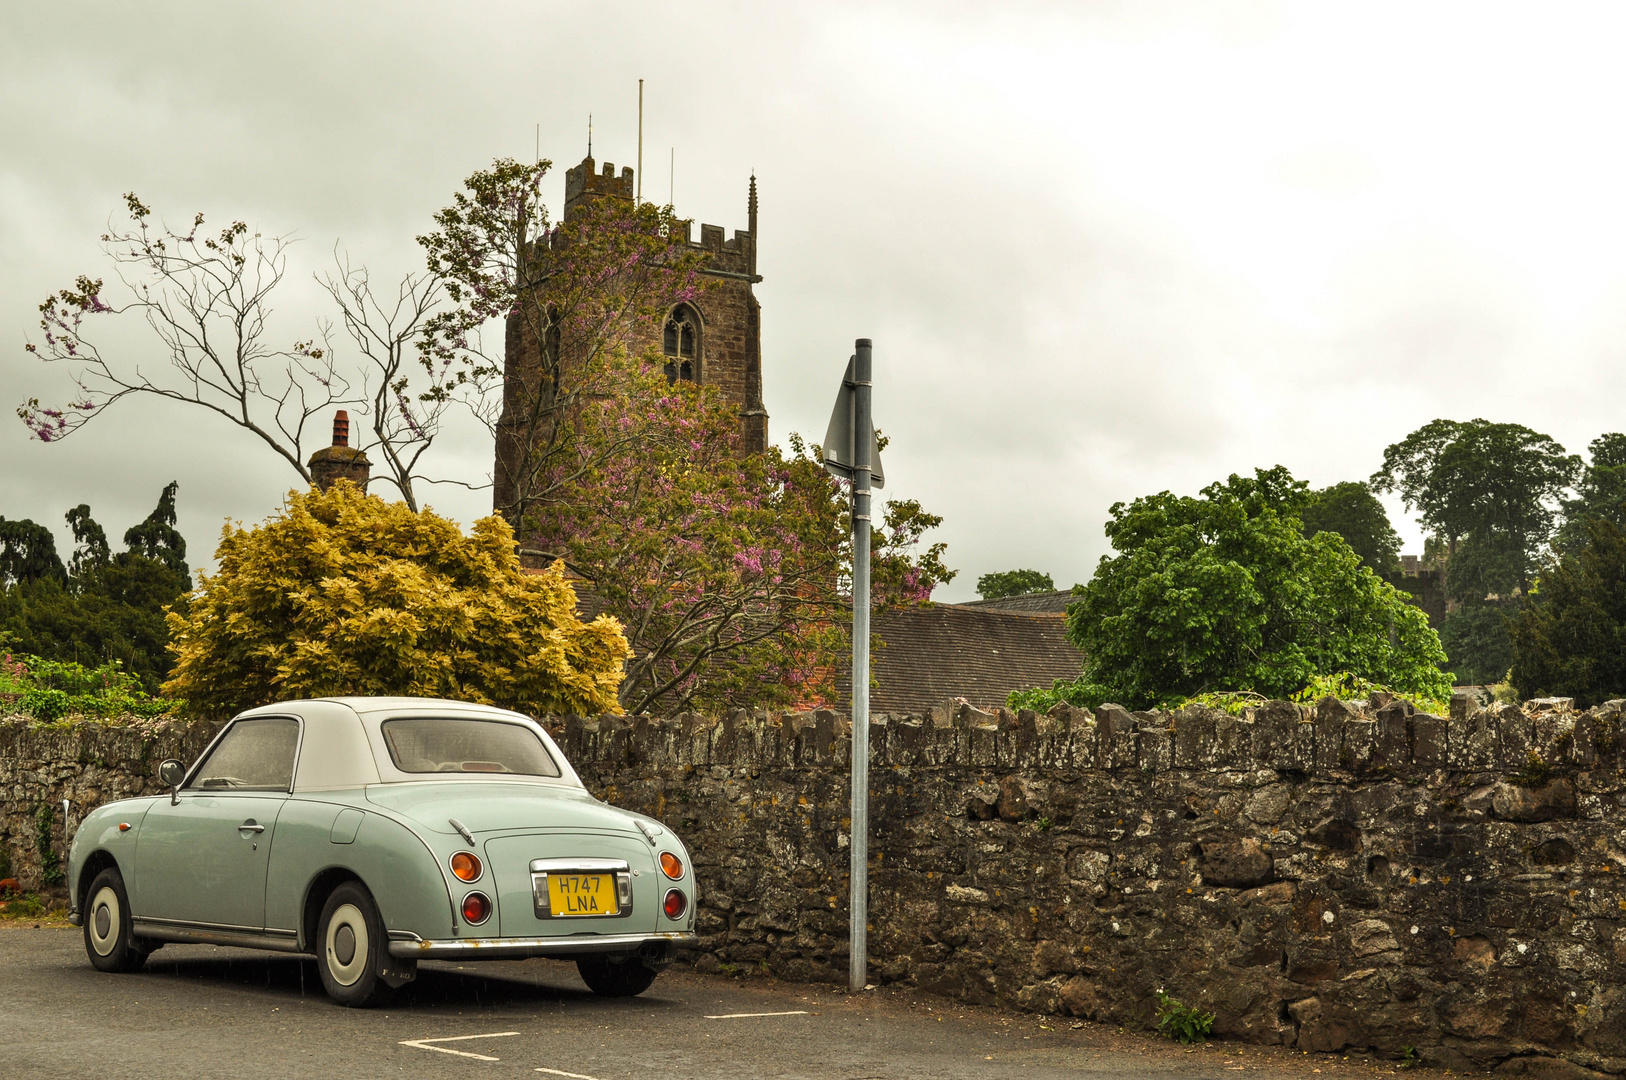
[
  {"x": 343, "y": 593},
  {"x": 51, "y": 691}
]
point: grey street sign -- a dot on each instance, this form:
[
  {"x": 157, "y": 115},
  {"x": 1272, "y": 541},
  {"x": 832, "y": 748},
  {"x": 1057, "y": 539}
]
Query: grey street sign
[{"x": 840, "y": 449}]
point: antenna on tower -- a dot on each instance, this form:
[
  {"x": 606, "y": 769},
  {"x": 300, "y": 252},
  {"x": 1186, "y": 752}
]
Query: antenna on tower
[
  {"x": 589, "y": 134},
  {"x": 640, "y": 197}
]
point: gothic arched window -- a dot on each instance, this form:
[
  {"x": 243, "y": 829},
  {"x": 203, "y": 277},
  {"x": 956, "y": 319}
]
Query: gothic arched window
[{"x": 680, "y": 343}]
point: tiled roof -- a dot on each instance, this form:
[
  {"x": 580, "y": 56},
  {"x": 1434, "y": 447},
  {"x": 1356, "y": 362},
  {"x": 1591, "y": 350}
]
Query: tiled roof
[
  {"x": 1034, "y": 601},
  {"x": 938, "y": 651},
  {"x": 977, "y": 651}
]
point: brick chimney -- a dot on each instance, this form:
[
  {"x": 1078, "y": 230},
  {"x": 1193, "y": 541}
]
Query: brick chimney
[{"x": 339, "y": 461}]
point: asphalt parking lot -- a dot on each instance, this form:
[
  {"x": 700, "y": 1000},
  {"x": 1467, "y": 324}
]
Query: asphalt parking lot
[{"x": 201, "y": 1011}]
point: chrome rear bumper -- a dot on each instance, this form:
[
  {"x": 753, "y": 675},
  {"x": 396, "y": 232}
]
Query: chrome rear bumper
[{"x": 406, "y": 944}]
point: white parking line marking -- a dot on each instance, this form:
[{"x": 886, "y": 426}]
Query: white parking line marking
[
  {"x": 423, "y": 1044},
  {"x": 573, "y": 1076},
  {"x": 747, "y": 1016}
]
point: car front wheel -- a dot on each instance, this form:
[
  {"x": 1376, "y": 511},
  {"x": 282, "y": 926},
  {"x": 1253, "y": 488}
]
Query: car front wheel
[
  {"x": 614, "y": 977},
  {"x": 350, "y": 947},
  {"x": 108, "y": 941}
]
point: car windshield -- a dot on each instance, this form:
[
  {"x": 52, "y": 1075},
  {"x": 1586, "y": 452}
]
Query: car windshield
[{"x": 442, "y": 745}]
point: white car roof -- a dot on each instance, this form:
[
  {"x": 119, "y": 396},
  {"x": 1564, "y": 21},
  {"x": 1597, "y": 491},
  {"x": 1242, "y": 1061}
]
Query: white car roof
[
  {"x": 396, "y": 704},
  {"x": 340, "y": 746}
]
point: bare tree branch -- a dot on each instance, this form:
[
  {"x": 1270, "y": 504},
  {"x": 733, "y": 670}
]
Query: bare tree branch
[{"x": 207, "y": 300}]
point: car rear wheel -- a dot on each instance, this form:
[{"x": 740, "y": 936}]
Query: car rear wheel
[
  {"x": 108, "y": 941},
  {"x": 609, "y": 976},
  {"x": 350, "y": 947}
]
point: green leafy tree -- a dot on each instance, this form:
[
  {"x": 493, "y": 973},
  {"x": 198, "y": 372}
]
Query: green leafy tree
[
  {"x": 1570, "y": 638},
  {"x": 1600, "y": 494},
  {"x": 1492, "y": 493},
  {"x": 1353, "y": 512},
  {"x": 343, "y": 593},
  {"x": 1013, "y": 583},
  {"x": 157, "y": 538},
  {"x": 112, "y": 613},
  {"x": 27, "y": 553},
  {"x": 1497, "y": 486},
  {"x": 90, "y": 541},
  {"x": 109, "y": 608},
  {"x": 1475, "y": 638},
  {"x": 1225, "y": 592}
]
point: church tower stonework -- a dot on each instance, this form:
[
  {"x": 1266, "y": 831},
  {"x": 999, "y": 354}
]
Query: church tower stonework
[{"x": 715, "y": 340}]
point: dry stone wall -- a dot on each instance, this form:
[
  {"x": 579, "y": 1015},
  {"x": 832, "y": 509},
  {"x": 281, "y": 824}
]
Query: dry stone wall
[
  {"x": 86, "y": 764},
  {"x": 1329, "y": 877}
]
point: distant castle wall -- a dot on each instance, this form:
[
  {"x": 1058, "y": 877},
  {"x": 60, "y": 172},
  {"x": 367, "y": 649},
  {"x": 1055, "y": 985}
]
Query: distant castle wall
[{"x": 1426, "y": 588}]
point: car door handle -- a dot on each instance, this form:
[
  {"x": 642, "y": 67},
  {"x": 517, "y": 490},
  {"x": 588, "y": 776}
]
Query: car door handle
[{"x": 250, "y": 826}]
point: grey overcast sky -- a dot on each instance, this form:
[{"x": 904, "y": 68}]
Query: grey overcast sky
[{"x": 1103, "y": 249}]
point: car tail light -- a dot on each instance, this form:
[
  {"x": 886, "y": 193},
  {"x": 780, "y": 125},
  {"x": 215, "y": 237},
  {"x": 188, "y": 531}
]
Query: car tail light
[
  {"x": 466, "y": 865},
  {"x": 671, "y": 866},
  {"x": 476, "y": 908},
  {"x": 676, "y": 904}
]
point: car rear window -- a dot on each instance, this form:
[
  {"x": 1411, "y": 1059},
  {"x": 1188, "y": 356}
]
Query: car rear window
[{"x": 443, "y": 745}]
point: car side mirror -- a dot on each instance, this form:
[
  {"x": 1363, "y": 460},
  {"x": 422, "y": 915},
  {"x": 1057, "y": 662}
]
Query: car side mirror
[{"x": 171, "y": 773}]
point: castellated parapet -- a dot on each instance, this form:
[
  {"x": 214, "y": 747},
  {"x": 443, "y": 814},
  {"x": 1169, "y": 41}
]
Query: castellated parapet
[
  {"x": 1333, "y": 877},
  {"x": 731, "y": 256},
  {"x": 582, "y": 182}
]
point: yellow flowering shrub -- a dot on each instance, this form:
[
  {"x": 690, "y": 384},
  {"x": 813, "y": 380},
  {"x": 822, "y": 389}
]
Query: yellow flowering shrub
[{"x": 343, "y": 593}]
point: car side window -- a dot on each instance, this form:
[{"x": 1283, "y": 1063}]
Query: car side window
[{"x": 255, "y": 755}]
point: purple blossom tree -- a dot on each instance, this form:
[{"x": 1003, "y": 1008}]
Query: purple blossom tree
[
  {"x": 571, "y": 295},
  {"x": 730, "y": 572}
]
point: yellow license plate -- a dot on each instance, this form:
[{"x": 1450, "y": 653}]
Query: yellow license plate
[{"x": 582, "y": 894}]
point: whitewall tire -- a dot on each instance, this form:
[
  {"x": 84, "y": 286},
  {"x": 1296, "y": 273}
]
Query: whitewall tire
[
  {"x": 108, "y": 942},
  {"x": 350, "y": 947}
]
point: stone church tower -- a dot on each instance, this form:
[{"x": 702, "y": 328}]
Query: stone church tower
[{"x": 713, "y": 341}]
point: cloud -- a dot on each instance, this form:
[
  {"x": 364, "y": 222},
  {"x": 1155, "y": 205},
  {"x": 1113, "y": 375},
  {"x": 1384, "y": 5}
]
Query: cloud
[{"x": 1103, "y": 249}]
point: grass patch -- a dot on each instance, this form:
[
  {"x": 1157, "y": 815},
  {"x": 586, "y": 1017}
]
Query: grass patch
[
  {"x": 1180, "y": 1022},
  {"x": 32, "y": 907}
]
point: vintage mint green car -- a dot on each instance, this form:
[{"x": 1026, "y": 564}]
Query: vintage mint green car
[{"x": 371, "y": 833}]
